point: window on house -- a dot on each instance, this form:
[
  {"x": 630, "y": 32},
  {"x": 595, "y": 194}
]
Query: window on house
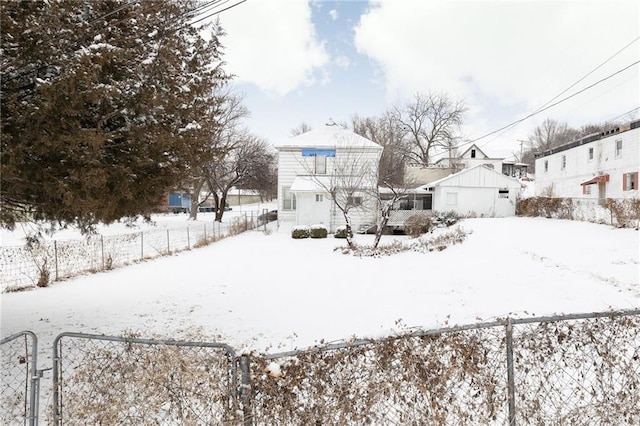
[
  {"x": 319, "y": 198},
  {"x": 563, "y": 162},
  {"x": 288, "y": 199},
  {"x": 354, "y": 201},
  {"x": 586, "y": 189},
  {"x": 452, "y": 198},
  {"x": 503, "y": 193},
  {"x": 546, "y": 166},
  {"x": 630, "y": 181},
  {"x": 321, "y": 164},
  {"x": 473, "y": 153},
  {"x": 590, "y": 153},
  {"x": 618, "y": 148}
]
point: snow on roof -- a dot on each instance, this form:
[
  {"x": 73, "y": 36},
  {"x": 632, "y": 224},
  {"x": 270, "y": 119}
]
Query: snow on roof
[
  {"x": 328, "y": 136},
  {"x": 310, "y": 184},
  {"x": 469, "y": 170}
]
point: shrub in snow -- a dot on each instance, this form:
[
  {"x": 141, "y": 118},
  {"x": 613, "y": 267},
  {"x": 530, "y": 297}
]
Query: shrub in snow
[
  {"x": 300, "y": 231},
  {"x": 625, "y": 212},
  {"x": 319, "y": 231},
  {"x": 439, "y": 242},
  {"x": 417, "y": 225},
  {"x": 446, "y": 218},
  {"x": 341, "y": 232}
]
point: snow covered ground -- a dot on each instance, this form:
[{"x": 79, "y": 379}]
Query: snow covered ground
[{"x": 266, "y": 291}]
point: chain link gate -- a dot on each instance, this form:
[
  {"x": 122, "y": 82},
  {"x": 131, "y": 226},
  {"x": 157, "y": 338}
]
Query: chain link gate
[
  {"x": 128, "y": 380},
  {"x": 19, "y": 379}
]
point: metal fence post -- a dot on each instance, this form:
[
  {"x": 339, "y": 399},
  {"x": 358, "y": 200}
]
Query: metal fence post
[
  {"x": 205, "y": 233},
  {"x": 245, "y": 391},
  {"x": 55, "y": 256},
  {"x": 102, "y": 250},
  {"x": 188, "y": 239},
  {"x": 168, "y": 245},
  {"x": 141, "y": 245},
  {"x": 35, "y": 382},
  {"x": 511, "y": 391}
]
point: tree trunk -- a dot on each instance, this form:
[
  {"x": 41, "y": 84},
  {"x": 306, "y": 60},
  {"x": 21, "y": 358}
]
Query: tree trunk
[
  {"x": 195, "y": 195},
  {"x": 383, "y": 224}
]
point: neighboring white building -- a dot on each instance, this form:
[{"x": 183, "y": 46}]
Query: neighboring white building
[
  {"x": 477, "y": 191},
  {"x": 503, "y": 162},
  {"x": 326, "y": 160},
  {"x": 598, "y": 166}
]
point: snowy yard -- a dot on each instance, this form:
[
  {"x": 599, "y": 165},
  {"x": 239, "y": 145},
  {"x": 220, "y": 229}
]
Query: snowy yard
[{"x": 270, "y": 292}]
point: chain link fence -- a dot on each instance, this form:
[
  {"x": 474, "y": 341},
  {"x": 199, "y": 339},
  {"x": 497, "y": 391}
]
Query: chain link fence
[
  {"x": 19, "y": 379},
  {"x": 581, "y": 369},
  {"x": 39, "y": 263},
  {"x": 131, "y": 381},
  {"x": 454, "y": 377}
]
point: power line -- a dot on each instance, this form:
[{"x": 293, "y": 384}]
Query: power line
[
  {"x": 590, "y": 72},
  {"x": 542, "y": 107},
  {"x": 217, "y": 12},
  {"x": 539, "y": 110}
]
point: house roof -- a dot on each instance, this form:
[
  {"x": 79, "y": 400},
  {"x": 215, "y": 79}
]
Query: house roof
[
  {"x": 310, "y": 184},
  {"x": 482, "y": 170},
  {"x": 477, "y": 148},
  {"x": 328, "y": 136}
]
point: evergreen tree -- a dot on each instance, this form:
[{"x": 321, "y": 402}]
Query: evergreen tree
[{"x": 105, "y": 107}]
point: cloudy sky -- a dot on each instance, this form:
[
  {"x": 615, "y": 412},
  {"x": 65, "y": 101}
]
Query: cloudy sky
[{"x": 310, "y": 61}]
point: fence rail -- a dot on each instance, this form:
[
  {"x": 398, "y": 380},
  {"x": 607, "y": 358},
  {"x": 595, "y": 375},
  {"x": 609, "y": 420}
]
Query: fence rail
[
  {"x": 40, "y": 263},
  {"x": 581, "y": 369},
  {"x": 19, "y": 379}
]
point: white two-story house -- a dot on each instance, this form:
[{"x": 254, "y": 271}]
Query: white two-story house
[
  {"x": 599, "y": 166},
  {"x": 320, "y": 165}
]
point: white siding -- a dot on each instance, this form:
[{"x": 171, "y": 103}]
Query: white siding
[
  {"x": 579, "y": 168},
  {"x": 292, "y": 164}
]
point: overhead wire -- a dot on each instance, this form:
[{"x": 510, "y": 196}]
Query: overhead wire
[
  {"x": 539, "y": 110},
  {"x": 544, "y": 107}
]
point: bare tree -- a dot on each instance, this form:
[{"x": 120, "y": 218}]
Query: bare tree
[
  {"x": 227, "y": 121},
  {"x": 244, "y": 160},
  {"x": 550, "y": 134},
  {"x": 302, "y": 128},
  {"x": 386, "y": 132},
  {"x": 432, "y": 120}
]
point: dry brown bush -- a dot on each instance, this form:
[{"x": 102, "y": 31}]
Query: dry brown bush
[
  {"x": 625, "y": 212},
  {"x": 417, "y": 225}
]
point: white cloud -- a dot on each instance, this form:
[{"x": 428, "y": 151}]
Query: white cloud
[
  {"x": 273, "y": 44},
  {"x": 334, "y": 14},
  {"x": 343, "y": 61},
  {"x": 519, "y": 53}
]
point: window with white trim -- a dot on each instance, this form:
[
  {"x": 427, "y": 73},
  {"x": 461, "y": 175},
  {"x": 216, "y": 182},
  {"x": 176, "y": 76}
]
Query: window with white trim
[
  {"x": 546, "y": 166},
  {"x": 618, "y": 147},
  {"x": 590, "y": 154},
  {"x": 319, "y": 198},
  {"x": 288, "y": 199},
  {"x": 563, "y": 162},
  {"x": 321, "y": 164}
]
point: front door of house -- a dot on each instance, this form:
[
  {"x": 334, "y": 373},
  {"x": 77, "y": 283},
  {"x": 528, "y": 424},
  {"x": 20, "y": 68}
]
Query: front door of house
[
  {"x": 314, "y": 209},
  {"x": 602, "y": 192}
]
